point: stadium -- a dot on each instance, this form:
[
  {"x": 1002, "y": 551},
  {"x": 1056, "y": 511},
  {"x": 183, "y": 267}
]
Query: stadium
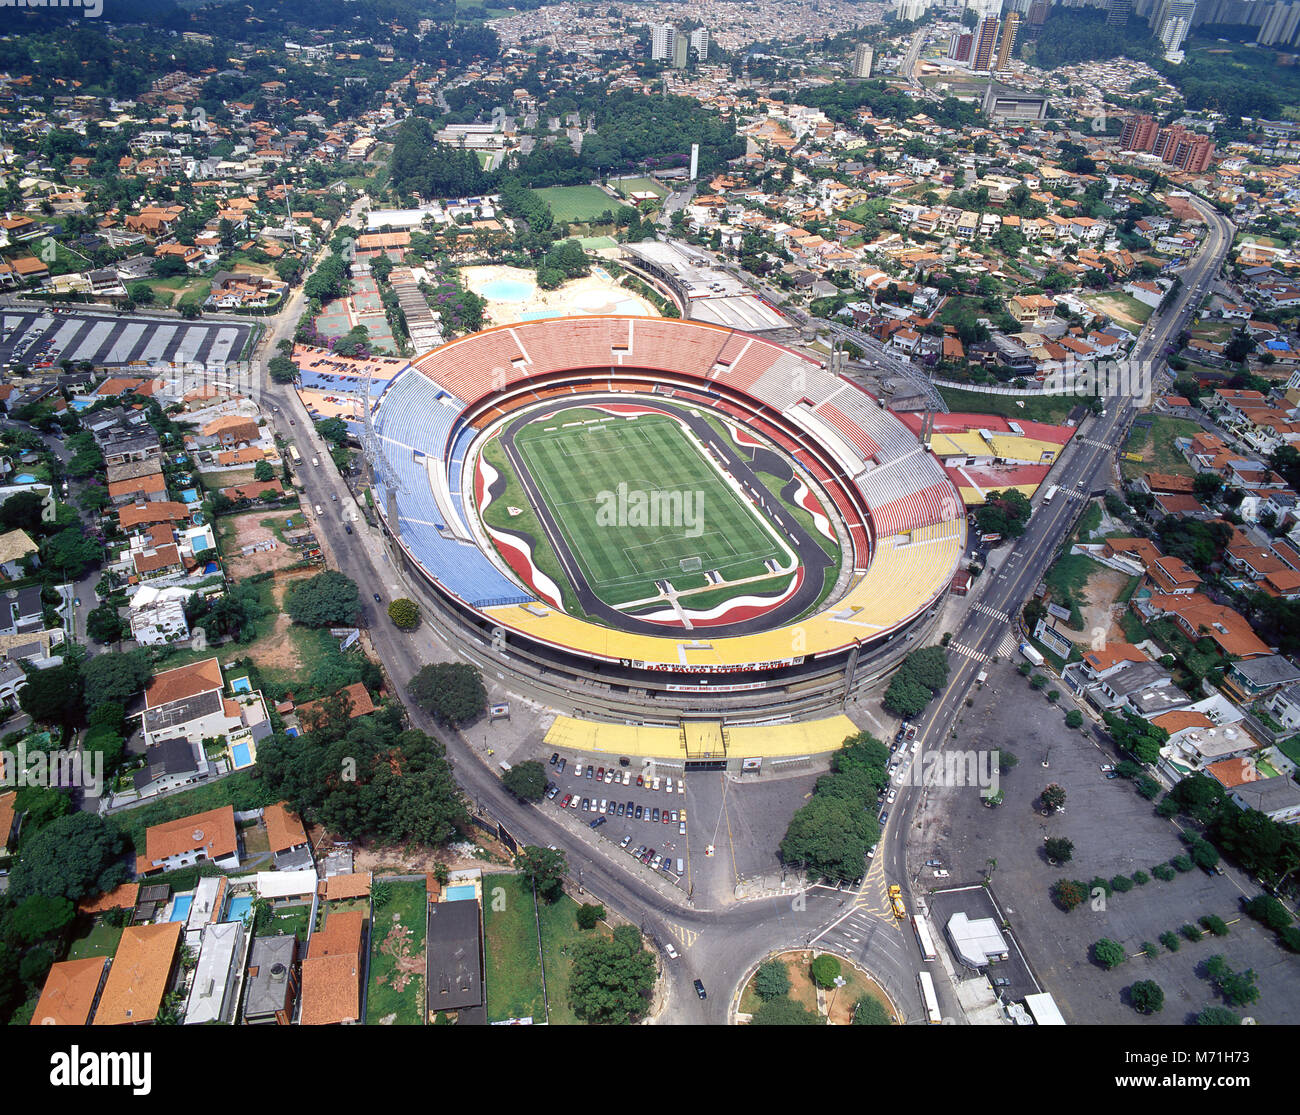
[{"x": 648, "y": 515}]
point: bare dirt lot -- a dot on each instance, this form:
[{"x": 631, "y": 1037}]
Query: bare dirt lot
[
  {"x": 248, "y": 530},
  {"x": 1103, "y": 609},
  {"x": 277, "y": 650}
]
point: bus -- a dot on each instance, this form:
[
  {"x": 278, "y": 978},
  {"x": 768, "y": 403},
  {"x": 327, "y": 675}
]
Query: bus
[
  {"x": 1051, "y": 492},
  {"x": 923, "y": 937},
  {"x": 294, "y": 455},
  {"x": 928, "y": 999}
]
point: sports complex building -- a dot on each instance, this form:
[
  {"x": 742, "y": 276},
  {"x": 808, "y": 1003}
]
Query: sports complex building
[{"x": 663, "y": 522}]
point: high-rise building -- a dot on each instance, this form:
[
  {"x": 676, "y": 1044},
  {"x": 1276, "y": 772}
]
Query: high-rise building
[
  {"x": 1010, "y": 25},
  {"x": 1139, "y": 133},
  {"x": 681, "y": 44},
  {"x": 986, "y": 40},
  {"x": 1037, "y": 16},
  {"x": 1171, "y": 21},
  {"x": 700, "y": 43},
  {"x": 863, "y": 56},
  {"x": 1183, "y": 149},
  {"x": 959, "y": 46},
  {"x": 661, "y": 42},
  {"x": 1281, "y": 26},
  {"x": 908, "y": 11},
  {"x": 1117, "y": 13}
]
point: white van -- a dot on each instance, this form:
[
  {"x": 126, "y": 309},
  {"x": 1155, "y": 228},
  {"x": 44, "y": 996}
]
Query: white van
[{"x": 681, "y": 868}]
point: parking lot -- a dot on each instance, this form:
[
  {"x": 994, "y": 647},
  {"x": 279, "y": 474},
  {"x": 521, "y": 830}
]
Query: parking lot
[
  {"x": 1114, "y": 831},
  {"x": 733, "y": 823},
  {"x": 42, "y": 338}
]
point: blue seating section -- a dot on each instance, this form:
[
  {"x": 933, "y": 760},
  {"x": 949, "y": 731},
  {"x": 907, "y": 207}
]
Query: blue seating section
[{"x": 410, "y": 420}]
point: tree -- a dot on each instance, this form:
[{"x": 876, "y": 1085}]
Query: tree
[
  {"x": 332, "y": 429},
  {"x": 1108, "y": 953},
  {"x": 71, "y": 553},
  {"x": 1069, "y": 893},
  {"x": 1204, "y": 854},
  {"x": 262, "y": 471},
  {"x": 611, "y": 978},
  {"x": 1053, "y": 797},
  {"x": 328, "y": 599},
  {"x": 1059, "y": 849},
  {"x": 116, "y": 677},
  {"x": 1147, "y": 997},
  {"x": 870, "y": 1011},
  {"x": 825, "y": 969},
  {"x": 1218, "y": 1016},
  {"x": 104, "y": 625},
  {"x": 282, "y": 369},
  {"x": 830, "y": 837},
  {"x": 772, "y": 980},
  {"x": 52, "y": 695},
  {"x": 74, "y": 857},
  {"x": 405, "y": 613},
  {"x": 785, "y": 1012},
  {"x": 1073, "y": 718},
  {"x": 1268, "y": 911},
  {"x": 37, "y": 917},
  {"x": 527, "y": 780},
  {"x": 544, "y": 868},
  {"x": 589, "y": 914},
  {"x": 452, "y": 692}
]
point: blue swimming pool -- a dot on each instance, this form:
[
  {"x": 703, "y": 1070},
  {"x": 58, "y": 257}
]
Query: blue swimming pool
[
  {"x": 24, "y": 478},
  {"x": 507, "y": 290},
  {"x": 240, "y": 908},
  {"x": 190, "y": 495},
  {"x": 181, "y": 907},
  {"x": 461, "y": 893},
  {"x": 291, "y": 731},
  {"x": 241, "y": 685},
  {"x": 242, "y": 755}
]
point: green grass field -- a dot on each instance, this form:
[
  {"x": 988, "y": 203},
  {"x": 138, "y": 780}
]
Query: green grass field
[
  {"x": 514, "y": 971},
  {"x": 629, "y": 186},
  {"x": 1156, "y": 446},
  {"x": 576, "y": 203},
  {"x": 1048, "y": 408},
  {"x": 396, "y": 988},
  {"x": 677, "y": 509}
]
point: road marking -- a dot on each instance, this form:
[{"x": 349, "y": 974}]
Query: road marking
[
  {"x": 975, "y": 655},
  {"x": 688, "y": 937},
  {"x": 989, "y": 610}
]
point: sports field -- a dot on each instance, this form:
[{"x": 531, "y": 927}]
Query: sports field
[
  {"x": 577, "y": 203},
  {"x": 637, "y": 502}
]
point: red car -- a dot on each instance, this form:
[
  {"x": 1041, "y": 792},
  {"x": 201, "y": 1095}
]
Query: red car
[
  {"x": 640, "y": 781},
  {"x": 600, "y": 772},
  {"x": 564, "y": 801}
]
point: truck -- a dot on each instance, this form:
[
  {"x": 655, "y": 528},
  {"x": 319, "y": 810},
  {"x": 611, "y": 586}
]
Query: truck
[
  {"x": 1031, "y": 654},
  {"x": 981, "y": 677},
  {"x": 1051, "y": 492},
  {"x": 896, "y": 900}
]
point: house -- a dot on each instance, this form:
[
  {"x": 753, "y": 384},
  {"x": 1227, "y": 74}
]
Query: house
[
  {"x": 151, "y": 487},
  {"x": 331, "y": 973},
  {"x": 454, "y": 961},
  {"x": 15, "y": 546},
  {"x": 170, "y": 764},
  {"x": 1255, "y": 677},
  {"x": 213, "y": 990},
  {"x": 140, "y": 975},
  {"x": 187, "y": 701},
  {"x": 10, "y": 819},
  {"x": 189, "y": 840},
  {"x": 22, "y": 611},
  {"x": 1200, "y": 617},
  {"x": 70, "y": 992},
  {"x": 159, "y": 623},
  {"x": 288, "y": 839},
  {"x": 354, "y": 699},
  {"x": 271, "y": 986},
  {"x": 1284, "y": 706},
  {"x": 1278, "y": 798}
]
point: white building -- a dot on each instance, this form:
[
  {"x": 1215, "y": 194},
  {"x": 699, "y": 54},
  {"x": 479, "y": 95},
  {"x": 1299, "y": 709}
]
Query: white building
[
  {"x": 862, "y": 59},
  {"x": 159, "y": 623},
  {"x": 700, "y": 43},
  {"x": 661, "y": 42}
]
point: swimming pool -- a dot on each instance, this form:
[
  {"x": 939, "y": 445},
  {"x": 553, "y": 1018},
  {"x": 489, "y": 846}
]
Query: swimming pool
[
  {"x": 460, "y": 893},
  {"x": 241, "y": 685},
  {"x": 181, "y": 907},
  {"x": 242, "y": 755},
  {"x": 240, "y": 908},
  {"x": 507, "y": 290},
  {"x": 291, "y": 731}
]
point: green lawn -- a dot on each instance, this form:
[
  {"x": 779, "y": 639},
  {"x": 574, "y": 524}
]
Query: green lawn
[
  {"x": 1156, "y": 445},
  {"x": 100, "y": 941},
  {"x": 1291, "y": 748},
  {"x": 560, "y": 933},
  {"x": 622, "y": 546},
  {"x": 292, "y": 919},
  {"x": 576, "y": 203},
  {"x": 397, "y": 956},
  {"x": 1050, "y": 408},
  {"x": 629, "y": 186},
  {"x": 1124, "y": 308},
  {"x": 514, "y": 971}
]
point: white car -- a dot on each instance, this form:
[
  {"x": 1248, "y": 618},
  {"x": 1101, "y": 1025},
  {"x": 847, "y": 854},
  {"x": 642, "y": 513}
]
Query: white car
[
  {"x": 892, "y": 795},
  {"x": 654, "y": 782},
  {"x": 672, "y": 952},
  {"x": 625, "y": 842},
  {"x": 916, "y": 746},
  {"x": 940, "y": 873},
  {"x": 604, "y": 805},
  {"x": 681, "y": 786},
  {"x": 627, "y": 778},
  {"x": 681, "y": 829},
  {"x": 575, "y": 801},
  {"x": 668, "y": 785}
]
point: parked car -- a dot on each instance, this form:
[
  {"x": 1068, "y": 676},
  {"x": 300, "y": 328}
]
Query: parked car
[
  {"x": 604, "y": 805},
  {"x": 555, "y": 757},
  {"x": 655, "y": 818},
  {"x": 1106, "y": 768},
  {"x": 672, "y": 952},
  {"x": 600, "y": 773},
  {"x": 559, "y": 767},
  {"x": 630, "y": 806},
  {"x": 892, "y": 795},
  {"x": 347, "y": 527},
  {"x": 668, "y": 785},
  {"x": 552, "y": 789},
  {"x": 940, "y": 873},
  {"x": 638, "y": 812},
  {"x": 598, "y": 822},
  {"x": 376, "y": 596},
  {"x": 564, "y": 801},
  {"x": 699, "y": 989},
  {"x": 1001, "y": 981},
  {"x": 622, "y": 808},
  {"x": 586, "y": 803},
  {"x": 625, "y": 842},
  {"x": 573, "y": 802},
  {"x": 591, "y": 772},
  {"x": 681, "y": 829},
  {"x": 934, "y": 863}
]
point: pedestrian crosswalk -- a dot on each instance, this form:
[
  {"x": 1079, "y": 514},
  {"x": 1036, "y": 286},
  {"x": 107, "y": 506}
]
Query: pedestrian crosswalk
[
  {"x": 1008, "y": 645},
  {"x": 989, "y": 610},
  {"x": 974, "y": 655}
]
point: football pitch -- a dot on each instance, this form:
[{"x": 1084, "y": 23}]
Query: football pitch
[{"x": 637, "y": 502}]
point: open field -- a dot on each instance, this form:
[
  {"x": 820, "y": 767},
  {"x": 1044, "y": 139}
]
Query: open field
[
  {"x": 580, "y": 469},
  {"x": 396, "y": 990},
  {"x": 1156, "y": 446},
  {"x": 1123, "y": 308},
  {"x": 629, "y": 186},
  {"x": 238, "y": 531},
  {"x": 576, "y": 203},
  {"x": 514, "y": 970}
]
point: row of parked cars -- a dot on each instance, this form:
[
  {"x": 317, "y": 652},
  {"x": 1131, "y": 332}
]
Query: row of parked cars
[
  {"x": 612, "y": 776},
  {"x": 629, "y": 809}
]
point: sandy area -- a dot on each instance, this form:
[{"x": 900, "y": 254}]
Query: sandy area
[
  {"x": 1102, "y": 610},
  {"x": 249, "y": 531},
  {"x": 594, "y": 294}
]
